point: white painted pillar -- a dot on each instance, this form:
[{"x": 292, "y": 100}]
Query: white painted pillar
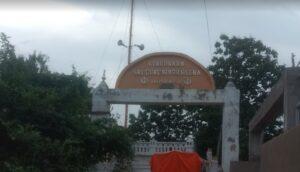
[
  {"x": 230, "y": 126},
  {"x": 100, "y": 106}
]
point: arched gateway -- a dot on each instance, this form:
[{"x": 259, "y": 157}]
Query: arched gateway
[
  {"x": 157, "y": 70},
  {"x": 173, "y": 78}
]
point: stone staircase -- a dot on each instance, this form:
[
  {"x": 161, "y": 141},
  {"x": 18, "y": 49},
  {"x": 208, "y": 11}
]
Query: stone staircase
[{"x": 141, "y": 163}]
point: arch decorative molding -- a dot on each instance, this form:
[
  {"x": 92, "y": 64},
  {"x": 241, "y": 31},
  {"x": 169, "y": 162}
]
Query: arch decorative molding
[{"x": 165, "y": 70}]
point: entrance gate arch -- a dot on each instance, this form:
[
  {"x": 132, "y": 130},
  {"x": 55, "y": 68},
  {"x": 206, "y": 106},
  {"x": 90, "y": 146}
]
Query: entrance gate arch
[{"x": 141, "y": 82}]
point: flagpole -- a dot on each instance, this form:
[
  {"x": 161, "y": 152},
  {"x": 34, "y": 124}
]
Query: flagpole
[{"x": 129, "y": 54}]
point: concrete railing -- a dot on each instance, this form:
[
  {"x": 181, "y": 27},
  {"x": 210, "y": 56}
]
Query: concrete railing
[{"x": 149, "y": 148}]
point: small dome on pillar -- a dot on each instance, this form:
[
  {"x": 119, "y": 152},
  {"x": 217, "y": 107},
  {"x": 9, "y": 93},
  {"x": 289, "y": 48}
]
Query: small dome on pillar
[
  {"x": 102, "y": 87},
  {"x": 103, "y": 84},
  {"x": 230, "y": 79},
  {"x": 230, "y": 84}
]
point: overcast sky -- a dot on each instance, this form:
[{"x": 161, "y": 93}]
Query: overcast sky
[{"x": 85, "y": 34}]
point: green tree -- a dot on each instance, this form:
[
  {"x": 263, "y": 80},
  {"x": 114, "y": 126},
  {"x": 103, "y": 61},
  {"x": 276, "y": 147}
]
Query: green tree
[
  {"x": 44, "y": 121},
  {"x": 161, "y": 123},
  {"x": 254, "y": 69}
]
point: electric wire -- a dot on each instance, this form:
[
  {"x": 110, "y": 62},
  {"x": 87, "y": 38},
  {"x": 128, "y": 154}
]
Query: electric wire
[
  {"x": 208, "y": 29},
  {"x": 110, "y": 35},
  {"x": 120, "y": 64},
  {"x": 122, "y": 54},
  {"x": 152, "y": 25}
]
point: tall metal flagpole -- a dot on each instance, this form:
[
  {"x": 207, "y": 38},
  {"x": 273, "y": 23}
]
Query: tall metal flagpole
[
  {"x": 129, "y": 54},
  {"x": 130, "y": 31}
]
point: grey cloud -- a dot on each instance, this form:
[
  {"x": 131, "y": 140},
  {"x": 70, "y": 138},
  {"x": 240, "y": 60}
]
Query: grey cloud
[{"x": 157, "y": 4}]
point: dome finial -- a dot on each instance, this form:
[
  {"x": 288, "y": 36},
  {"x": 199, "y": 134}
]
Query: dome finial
[
  {"x": 230, "y": 79},
  {"x": 103, "y": 76}
]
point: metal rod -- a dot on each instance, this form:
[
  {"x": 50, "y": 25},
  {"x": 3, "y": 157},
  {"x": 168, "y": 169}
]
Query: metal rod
[
  {"x": 129, "y": 54},
  {"x": 130, "y": 32},
  {"x": 126, "y": 116}
]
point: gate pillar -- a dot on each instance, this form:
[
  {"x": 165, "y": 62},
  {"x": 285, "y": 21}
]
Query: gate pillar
[{"x": 230, "y": 126}]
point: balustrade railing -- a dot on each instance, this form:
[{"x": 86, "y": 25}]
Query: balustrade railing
[{"x": 149, "y": 148}]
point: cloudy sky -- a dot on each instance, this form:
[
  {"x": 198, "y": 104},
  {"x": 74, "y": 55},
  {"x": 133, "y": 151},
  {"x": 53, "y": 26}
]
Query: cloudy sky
[{"x": 85, "y": 34}]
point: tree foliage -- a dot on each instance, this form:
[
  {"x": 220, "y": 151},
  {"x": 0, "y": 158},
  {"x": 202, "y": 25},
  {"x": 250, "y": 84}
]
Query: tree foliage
[
  {"x": 44, "y": 123},
  {"x": 159, "y": 123},
  {"x": 254, "y": 69}
]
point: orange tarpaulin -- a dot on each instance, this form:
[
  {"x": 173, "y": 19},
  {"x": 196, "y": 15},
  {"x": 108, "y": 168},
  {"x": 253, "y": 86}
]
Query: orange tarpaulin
[{"x": 176, "y": 162}]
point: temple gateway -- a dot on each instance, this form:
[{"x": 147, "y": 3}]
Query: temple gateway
[{"x": 172, "y": 78}]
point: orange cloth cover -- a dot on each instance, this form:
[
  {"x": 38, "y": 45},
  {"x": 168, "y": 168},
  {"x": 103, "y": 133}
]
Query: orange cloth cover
[{"x": 176, "y": 162}]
